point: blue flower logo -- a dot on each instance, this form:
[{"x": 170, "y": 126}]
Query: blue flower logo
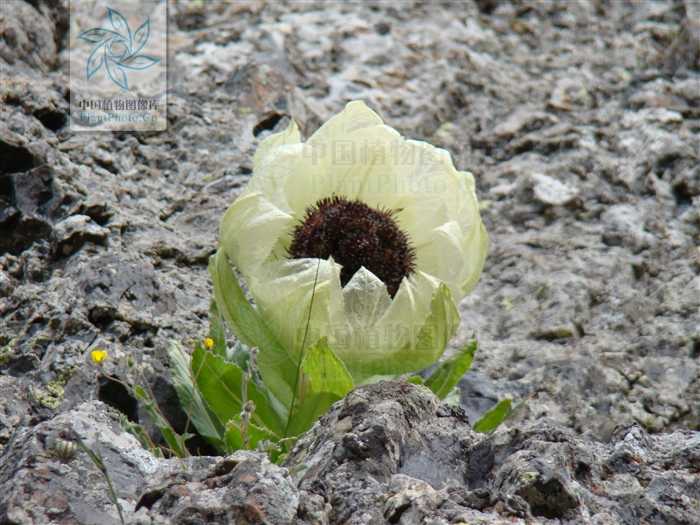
[{"x": 117, "y": 49}]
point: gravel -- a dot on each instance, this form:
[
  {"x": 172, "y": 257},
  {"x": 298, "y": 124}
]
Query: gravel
[{"x": 581, "y": 123}]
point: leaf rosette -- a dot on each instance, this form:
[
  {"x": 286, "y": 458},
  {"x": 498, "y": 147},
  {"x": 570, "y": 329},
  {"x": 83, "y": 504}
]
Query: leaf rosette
[{"x": 341, "y": 263}]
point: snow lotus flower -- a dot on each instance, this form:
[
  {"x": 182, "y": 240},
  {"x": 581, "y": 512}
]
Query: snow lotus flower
[{"x": 360, "y": 238}]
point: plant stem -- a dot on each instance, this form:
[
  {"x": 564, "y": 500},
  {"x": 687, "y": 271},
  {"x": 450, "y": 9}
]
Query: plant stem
[
  {"x": 97, "y": 460},
  {"x": 301, "y": 353}
]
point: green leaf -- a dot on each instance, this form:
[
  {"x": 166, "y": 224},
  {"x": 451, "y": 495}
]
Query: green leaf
[
  {"x": 239, "y": 355},
  {"x": 416, "y": 380},
  {"x": 221, "y": 385},
  {"x": 190, "y": 398},
  {"x": 175, "y": 441},
  {"x": 216, "y": 330},
  {"x": 494, "y": 417},
  {"x": 276, "y": 366},
  {"x": 441, "y": 324},
  {"x": 324, "y": 380},
  {"x": 140, "y": 433},
  {"x": 325, "y": 372},
  {"x": 448, "y": 373},
  {"x": 256, "y": 434},
  {"x": 310, "y": 411}
]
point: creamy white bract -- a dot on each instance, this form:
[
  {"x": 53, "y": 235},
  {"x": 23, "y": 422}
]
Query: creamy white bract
[{"x": 355, "y": 155}]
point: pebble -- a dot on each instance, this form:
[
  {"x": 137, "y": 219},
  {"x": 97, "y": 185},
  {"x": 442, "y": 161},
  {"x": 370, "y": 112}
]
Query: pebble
[{"x": 550, "y": 191}]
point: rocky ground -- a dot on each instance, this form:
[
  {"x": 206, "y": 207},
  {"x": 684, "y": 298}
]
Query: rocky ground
[{"x": 581, "y": 123}]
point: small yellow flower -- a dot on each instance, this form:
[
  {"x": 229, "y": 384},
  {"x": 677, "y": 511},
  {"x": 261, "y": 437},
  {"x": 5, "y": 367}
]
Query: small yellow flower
[
  {"x": 98, "y": 355},
  {"x": 208, "y": 343}
]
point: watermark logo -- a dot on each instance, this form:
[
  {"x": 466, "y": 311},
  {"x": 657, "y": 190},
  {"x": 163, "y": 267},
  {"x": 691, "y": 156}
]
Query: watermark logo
[
  {"x": 118, "y": 65},
  {"x": 118, "y": 49}
]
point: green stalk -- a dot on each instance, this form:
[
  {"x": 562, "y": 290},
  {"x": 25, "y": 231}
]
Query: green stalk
[{"x": 301, "y": 353}]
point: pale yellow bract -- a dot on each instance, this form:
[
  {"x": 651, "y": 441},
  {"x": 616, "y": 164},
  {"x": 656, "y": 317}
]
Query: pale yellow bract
[{"x": 355, "y": 155}]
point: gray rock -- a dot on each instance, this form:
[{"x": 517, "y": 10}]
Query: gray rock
[
  {"x": 389, "y": 451},
  {"x": 11, "y": 414},
  {"x": 45, "y": 477},
  {"x": 70, "y": 234},
  {"x": 29, "y": 37},
  {"x": 523, "y": 120},
  {"x": 550, "y": 191},
  {"x": 571, "y": 92},
  {"x": 626, "y": 226},
  {"x": 242, "y": 488},
  {"x": 6, "y": 283},
  {"x": 30, "y": 200}
]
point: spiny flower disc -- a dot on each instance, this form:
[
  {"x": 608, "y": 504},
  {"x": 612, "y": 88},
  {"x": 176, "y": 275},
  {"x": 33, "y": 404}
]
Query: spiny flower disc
[{"x": 355, "y": 235}]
